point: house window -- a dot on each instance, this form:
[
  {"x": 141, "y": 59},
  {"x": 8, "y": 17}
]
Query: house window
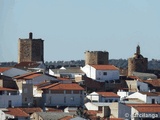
[
  {"x": 25, "y": 90},
  {"x": 57, "y": 91},
  {"x": 64, "y": 99},
  {"x": 68, "y": 91},
  {"x": 153, "y": 101},
  {"x": 104, "y": 73},
  {"x": 76, "y": 92},
  {"x": 9, "y": 103},
  {"x": 110, "y": 100},
  {"x": 106, "y": 100},
  {"x": 99, "y": 108},
  {"x": 25, "y": 99}
]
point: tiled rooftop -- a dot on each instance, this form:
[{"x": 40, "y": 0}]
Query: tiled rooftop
[
  {"x": 104, "y": 67},
  {"x": 108, "y": 94},
  {"x": 7, "y": 89},
  {"x": 2, "y": 69},
  {"x": 59, "y": 86},
  {"x": 17, "y": 112}
]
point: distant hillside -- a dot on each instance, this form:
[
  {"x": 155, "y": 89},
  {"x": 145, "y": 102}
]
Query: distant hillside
[{"x": 121, "y": 63}]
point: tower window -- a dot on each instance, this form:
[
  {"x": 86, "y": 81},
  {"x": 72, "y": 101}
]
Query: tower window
[{"x": 104, "y": 73}]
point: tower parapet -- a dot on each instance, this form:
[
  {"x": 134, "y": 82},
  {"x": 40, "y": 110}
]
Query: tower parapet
[{"x": 96, "y": 57}]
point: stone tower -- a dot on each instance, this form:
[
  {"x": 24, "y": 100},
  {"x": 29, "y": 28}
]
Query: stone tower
[
  {"x": 30, "y": 50},
  {"x": 96, "y": 57},
  {"x": 137, "y": 63}
]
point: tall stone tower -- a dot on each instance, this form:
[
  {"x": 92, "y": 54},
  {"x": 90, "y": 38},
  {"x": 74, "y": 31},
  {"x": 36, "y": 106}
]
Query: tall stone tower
[
  {"x": 137, "y": 63},
  {"x": 30, "y": 50},
  {"x": 96, "y": 57}
]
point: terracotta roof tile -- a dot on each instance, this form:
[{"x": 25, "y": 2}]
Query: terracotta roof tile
[
  {"x": 2, "y": 69},
  {"x": 146, "y": 109},
  {"x": 108, "y": 94},
  {"x": 27, "y": 64},
  {"x": 71, "y": 86},
  {"x": 60, "y": 86},
  {"x": 31, "y": 110},
  {"x": 17, "y": 112},
  {"x": 63, "y": 79},
  {"x": 66, "y": 118},
  {"x": 30, "y": 75},
  {"x": 145, "y": 104},
  {"x": 155, "y": 83},
  {"x": 151, "y": 93},
  {"x": 104, "y": 67},
  {"x": 7, "y": 89}
]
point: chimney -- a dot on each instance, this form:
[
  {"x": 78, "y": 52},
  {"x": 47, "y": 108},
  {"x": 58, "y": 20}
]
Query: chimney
[{"x": 30, "y": 35}]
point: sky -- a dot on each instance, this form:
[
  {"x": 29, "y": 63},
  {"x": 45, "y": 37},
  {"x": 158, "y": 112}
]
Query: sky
[{"x": 71, "y": 27}]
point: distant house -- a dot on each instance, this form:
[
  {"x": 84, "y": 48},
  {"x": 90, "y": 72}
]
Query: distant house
[
  {"x": 31, "y": 66},
  {"x": 96, "y": 105},
  {"x": 103, "y": 97},
  {"x": 139, "y": 111},
  {"x": 153, "y": 84},
  {"x": 9, "y": 98},
  {"x": 60, "y": 94},
  {"x": 17, "y": 114},
  {"x": 136, "y": 85},
  {"x": 101, "y": 73},
  {"x": 69, "y": 72},
  {"x": 12, "y": 72},
  {"x": 50, "y": 115},
  {"x": 147, "y": 97},
  {"x": 26, "y": 82},
  {"x": 144, "y": 76}
]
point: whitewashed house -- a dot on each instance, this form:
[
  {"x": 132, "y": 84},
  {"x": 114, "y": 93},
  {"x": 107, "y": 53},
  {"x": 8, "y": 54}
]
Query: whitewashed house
[
  {"x": 26, "y": 84},
  {"x": 101, "y": 73},
  {"x": 103, "y": 97},
  {"x": 9, "y": 98},
  {"x": 136, "y": 85},
  {"x": 69, "y": 72},
  {"x": 138, "y": 111},
  {"x": 16, "y": 114},
  {"x": 59, "y": 94},
  {"x": 147, "y": 97},
  {"x": 97, "y": 106},
  {"x": 123, "y": 94},
  {"x": 4, "y": 116}
]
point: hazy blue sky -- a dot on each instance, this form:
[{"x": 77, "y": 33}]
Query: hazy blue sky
[{"x": 70, "y": 27}]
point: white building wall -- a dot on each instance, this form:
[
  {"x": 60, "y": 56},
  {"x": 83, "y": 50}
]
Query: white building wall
[
  {"x": 143, "y": 86},
  {"x": 16, "y": 100},
  {"x": 98, "y": 74},
  {"x": 123, "y": 94},
  {"x": 93, "y": 97},
  {"x": 124, "y": 111},
  {"x": 91, "y": 106},
  {"x": 90, "y": 71},
  {"x": 111, "y": 75},
  {"x": 156, "y": 98},
  {"x": 63, "y": 99},
  {"x": 139, "y": 96}
]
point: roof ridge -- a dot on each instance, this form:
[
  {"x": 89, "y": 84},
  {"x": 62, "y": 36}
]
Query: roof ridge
[
  {"x": 26, "y": 74},
  {"x": 49, "y": 86}
]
